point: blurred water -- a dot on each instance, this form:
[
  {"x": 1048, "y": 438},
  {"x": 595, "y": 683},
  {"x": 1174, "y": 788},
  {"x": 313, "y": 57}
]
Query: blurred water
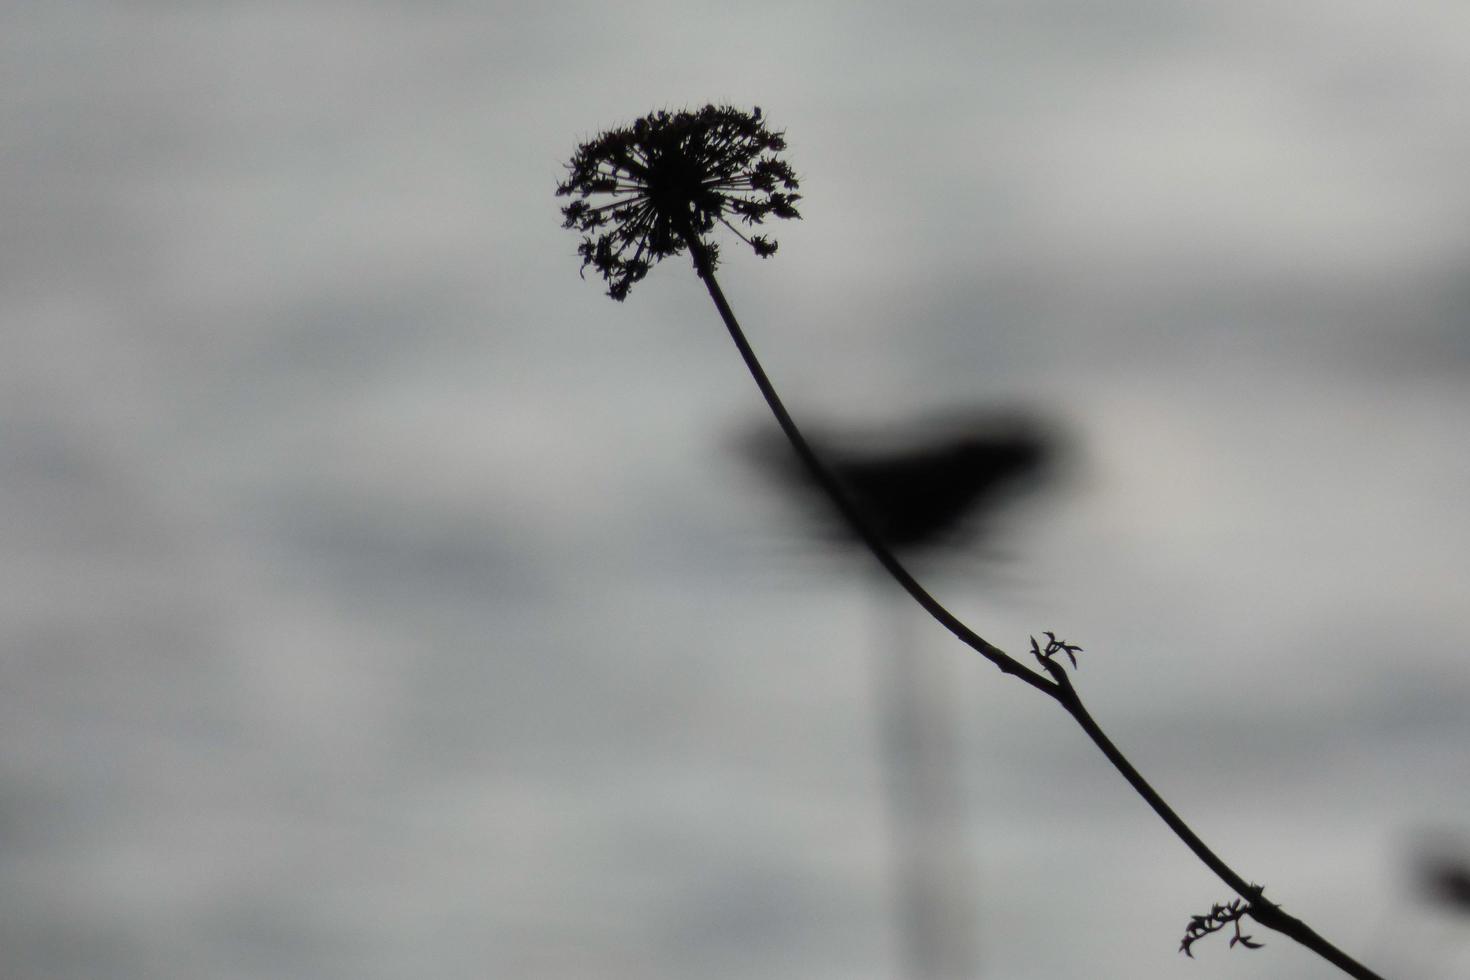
[{"x": 381, "y": 600}]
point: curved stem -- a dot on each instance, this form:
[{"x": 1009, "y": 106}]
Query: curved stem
[
  {"x": 839, "y": 495},
  {"x": 1059, "y": 687},
  {"x": 1265, "y": 912}
]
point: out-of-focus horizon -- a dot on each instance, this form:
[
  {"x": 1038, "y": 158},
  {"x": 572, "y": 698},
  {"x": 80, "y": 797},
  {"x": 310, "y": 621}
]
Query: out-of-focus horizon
[{"x": 383, "y": 600}]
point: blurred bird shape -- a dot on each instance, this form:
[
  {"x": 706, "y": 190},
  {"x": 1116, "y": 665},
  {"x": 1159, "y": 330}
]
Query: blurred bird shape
[{"x": 934, "y": 483}]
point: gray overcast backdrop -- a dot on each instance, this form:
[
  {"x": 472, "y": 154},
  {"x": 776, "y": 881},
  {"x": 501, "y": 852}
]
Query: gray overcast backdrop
[{"x": 382, "y": 601}]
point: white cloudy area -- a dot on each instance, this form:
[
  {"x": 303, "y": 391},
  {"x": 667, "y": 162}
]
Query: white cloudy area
[{"x": 381, "y": 600}]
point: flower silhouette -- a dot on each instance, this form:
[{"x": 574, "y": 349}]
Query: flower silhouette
[{"x": 671, "y": 178}]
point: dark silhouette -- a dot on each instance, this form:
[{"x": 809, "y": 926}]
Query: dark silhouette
[
  {"x": 940, "y": 485},
  {"x": 672, "y": 176},
  {"x": 661, "y": 186}
]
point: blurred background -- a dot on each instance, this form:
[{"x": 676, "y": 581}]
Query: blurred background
[{"x": 382, "y": 600}]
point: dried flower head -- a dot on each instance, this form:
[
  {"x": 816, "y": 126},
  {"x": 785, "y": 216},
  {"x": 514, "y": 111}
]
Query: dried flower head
[{"x": 671, "y": 177}]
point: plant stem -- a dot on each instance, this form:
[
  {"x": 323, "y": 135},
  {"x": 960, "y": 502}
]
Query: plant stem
[
  {"x": 839, "y": 496},
  {"x": 1265, "y": 912},
  {"x": 1059, "y": 687}
]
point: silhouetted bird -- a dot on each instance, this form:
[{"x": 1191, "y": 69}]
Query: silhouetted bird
[{"x": 922, "y": 494}]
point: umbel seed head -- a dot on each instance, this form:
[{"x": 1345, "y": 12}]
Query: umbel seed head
[{"x": 668, "y": 180}]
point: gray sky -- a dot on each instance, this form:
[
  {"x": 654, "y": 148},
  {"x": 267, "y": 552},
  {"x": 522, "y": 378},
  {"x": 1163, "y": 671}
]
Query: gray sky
[{"x": 382, "y": 600}]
